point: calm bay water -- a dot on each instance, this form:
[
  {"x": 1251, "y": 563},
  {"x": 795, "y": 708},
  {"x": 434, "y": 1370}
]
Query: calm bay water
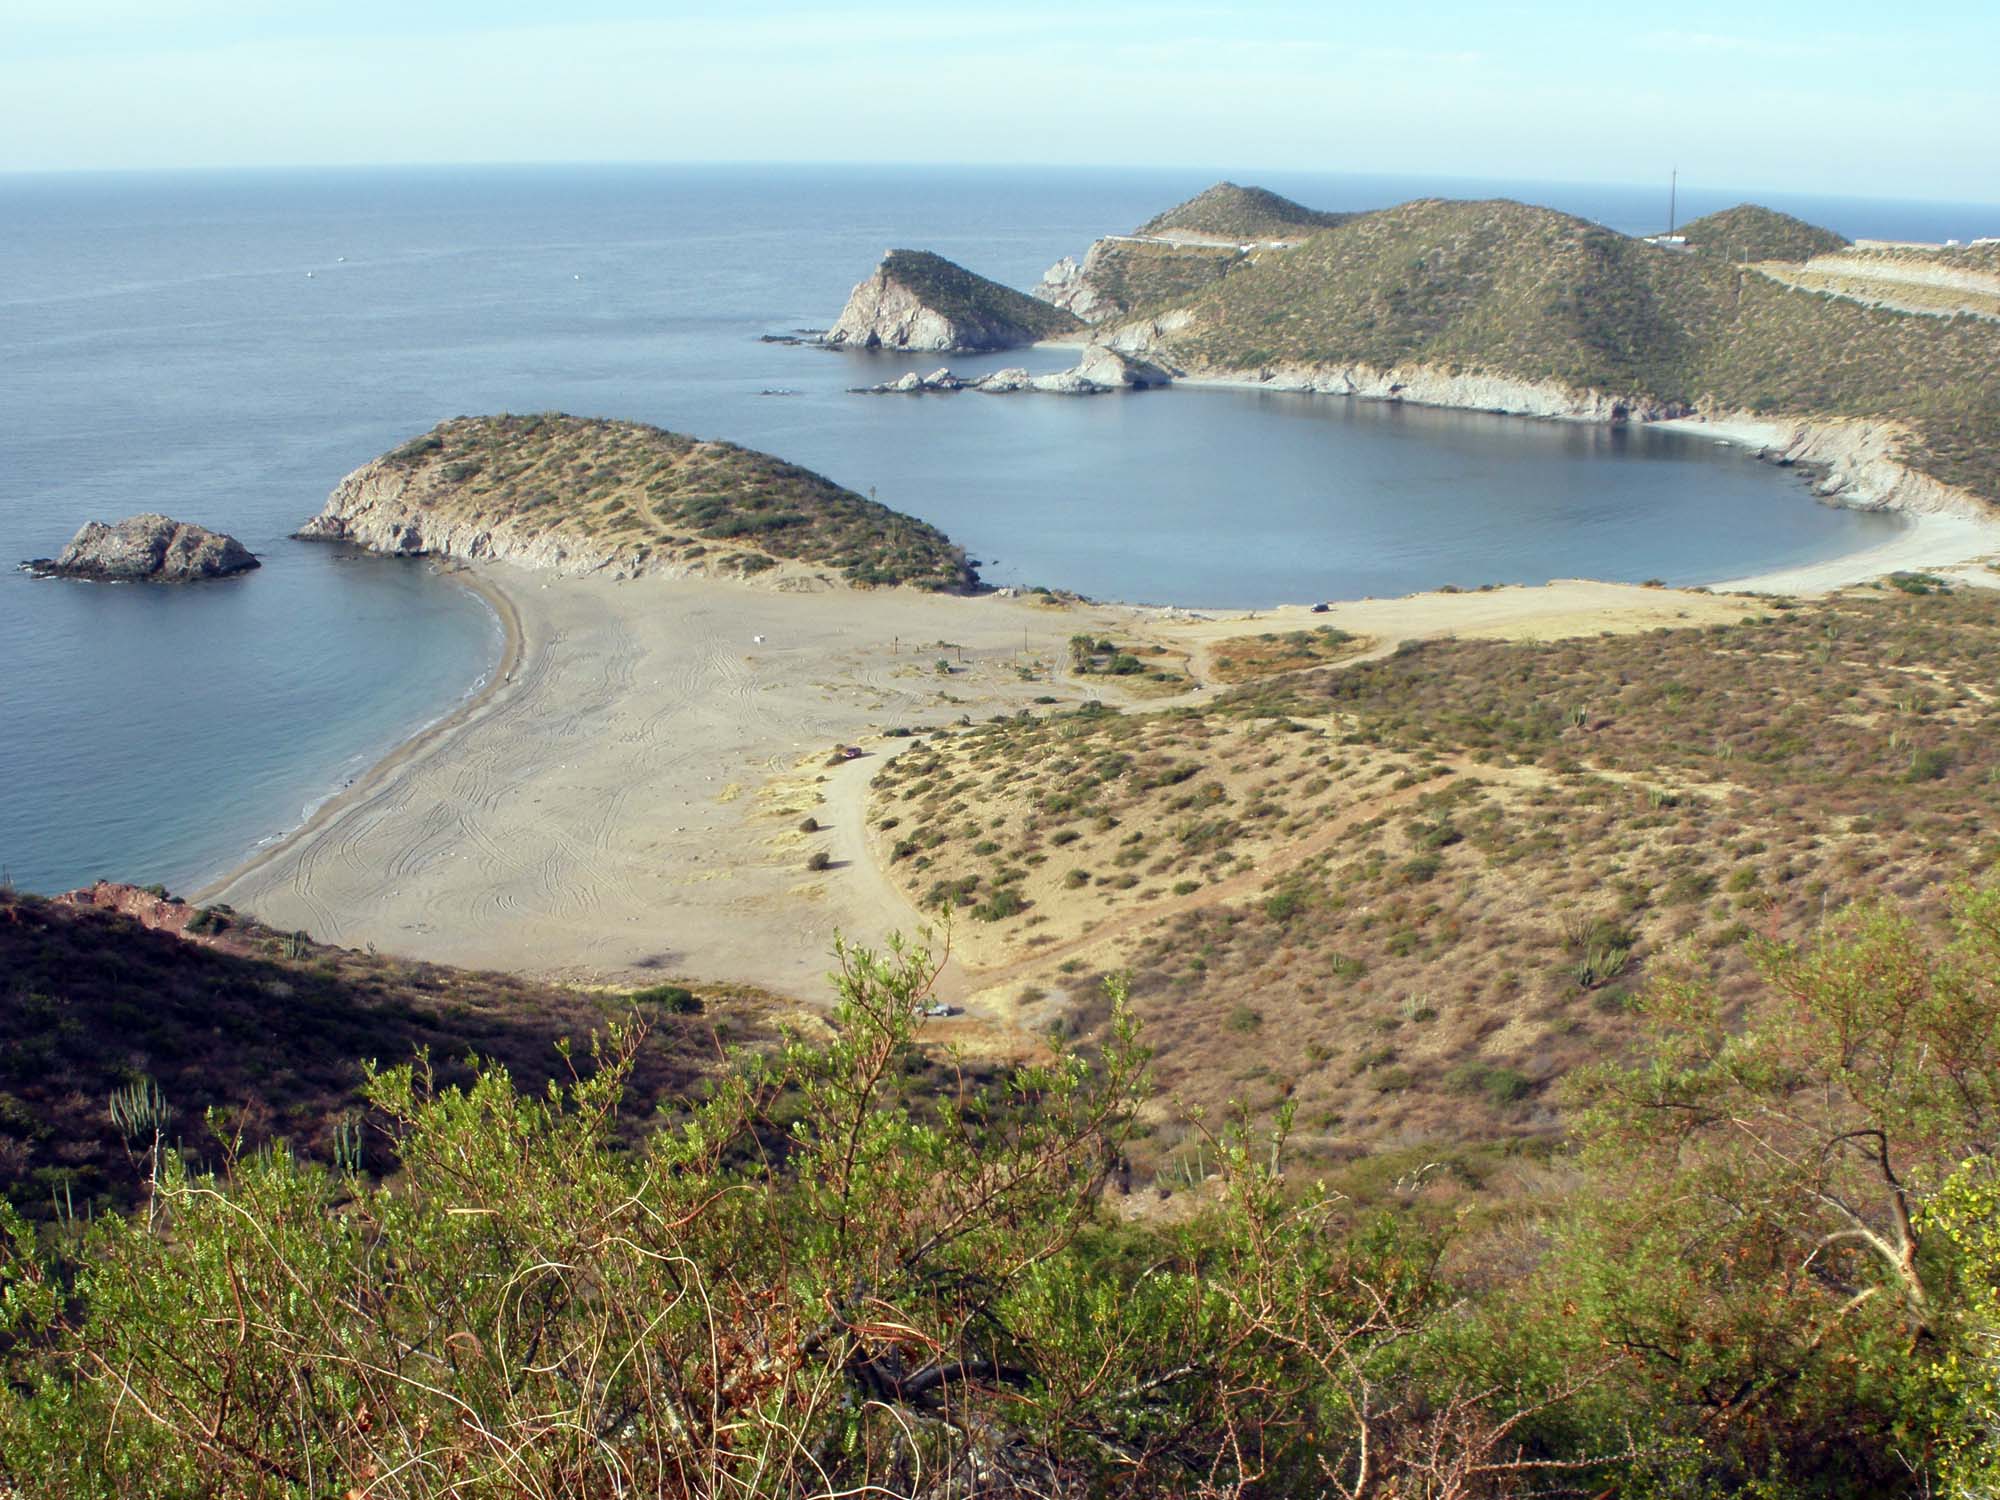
[{"x": 163, "y": 347}]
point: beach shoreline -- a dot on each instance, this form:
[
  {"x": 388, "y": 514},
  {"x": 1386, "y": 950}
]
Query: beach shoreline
[{"x": 337, "y": 801}]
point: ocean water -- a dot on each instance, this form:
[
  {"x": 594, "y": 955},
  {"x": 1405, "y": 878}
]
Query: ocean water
[{"x": 224, "y": 346}]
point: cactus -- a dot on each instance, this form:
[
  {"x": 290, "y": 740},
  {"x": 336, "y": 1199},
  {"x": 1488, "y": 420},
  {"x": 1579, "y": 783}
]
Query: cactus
[
  {"x": 347, "y": 1144},
  {"x": 140, "y": 1110}
]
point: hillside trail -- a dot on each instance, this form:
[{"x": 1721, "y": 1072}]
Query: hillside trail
[{"x": 871, "y": 897}]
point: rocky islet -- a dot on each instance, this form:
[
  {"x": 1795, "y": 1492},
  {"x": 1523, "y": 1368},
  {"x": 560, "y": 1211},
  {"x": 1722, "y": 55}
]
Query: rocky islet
[{"x": 146, "y": 548}]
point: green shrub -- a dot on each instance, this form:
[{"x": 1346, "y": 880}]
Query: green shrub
[
  {"x": 1003, "y": 903},
  {"x": 1928, "y": 765},
  {"x": 1688, "y": 886},
  {"x": 1286, "y": 903},
  {"x": 1919, "y": 583},
  {"x": 674, "y": 999}
]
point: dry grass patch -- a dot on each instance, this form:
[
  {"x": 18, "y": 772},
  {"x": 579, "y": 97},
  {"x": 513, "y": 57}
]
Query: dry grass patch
[{"x": 1246, "y": 658}]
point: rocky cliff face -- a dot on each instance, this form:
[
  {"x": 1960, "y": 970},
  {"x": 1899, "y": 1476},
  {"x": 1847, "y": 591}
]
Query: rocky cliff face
[
  {"x": 393, "y": 508},
  {"x": 1072, "y": 288},
  {"x": 147, "y": 548},
  {"x": 1121, "y": 272},
  {"x": 1422, "y": 385},
  {"x": 919, "y": 301},
  {"x": 1855, "y": 462},
  {"x": 884, "y": 314}
]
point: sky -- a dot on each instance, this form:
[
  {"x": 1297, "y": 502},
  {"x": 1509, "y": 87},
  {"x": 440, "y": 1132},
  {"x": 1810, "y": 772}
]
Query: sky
[{"x": 1895, "y": 100}]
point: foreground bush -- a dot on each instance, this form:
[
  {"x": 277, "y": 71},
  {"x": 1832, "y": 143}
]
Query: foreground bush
[
  {"x": 841, "y": 1272},
  {"x": 821, "y": 1279}
]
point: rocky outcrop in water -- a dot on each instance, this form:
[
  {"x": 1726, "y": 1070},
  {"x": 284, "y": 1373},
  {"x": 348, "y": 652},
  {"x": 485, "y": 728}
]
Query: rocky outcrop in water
[
  {"x": 1100, "y": 370},
  {"x": 916, "y": 300},
  {"x": 147, "y": 549}
]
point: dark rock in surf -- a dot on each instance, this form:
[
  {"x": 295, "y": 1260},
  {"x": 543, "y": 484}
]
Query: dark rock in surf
[{"x": 146, "y": 549}]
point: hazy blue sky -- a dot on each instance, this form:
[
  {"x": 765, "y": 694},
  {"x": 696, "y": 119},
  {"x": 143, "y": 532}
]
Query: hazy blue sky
[{"x": 1876, "y": 99}]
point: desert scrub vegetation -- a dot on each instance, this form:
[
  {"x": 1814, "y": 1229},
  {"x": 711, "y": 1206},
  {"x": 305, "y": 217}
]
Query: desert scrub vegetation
[
  {"x": 1089, "y": 812},
  {"x": 1244, "y": 658},
  {"x": 657, "y": 496},
  {"x": 1531, "y": 294},
  {"x": 832, "y": 1269},
  {"x": 1144, "y": 668},
  {"x": 1470, "y": 853},
  {"x": 1133, "y": 276}
]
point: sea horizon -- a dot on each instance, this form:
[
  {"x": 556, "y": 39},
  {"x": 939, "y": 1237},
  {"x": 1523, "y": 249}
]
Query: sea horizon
[{"x": 1213, "y": 171}]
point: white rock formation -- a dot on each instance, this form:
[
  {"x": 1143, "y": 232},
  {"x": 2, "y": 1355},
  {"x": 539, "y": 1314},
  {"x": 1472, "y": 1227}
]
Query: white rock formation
[{"x": 1099, "y": 370}]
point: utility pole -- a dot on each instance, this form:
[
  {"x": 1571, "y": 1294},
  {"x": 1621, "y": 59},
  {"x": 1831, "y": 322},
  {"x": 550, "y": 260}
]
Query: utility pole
[{"x": 1673, "y": 206}]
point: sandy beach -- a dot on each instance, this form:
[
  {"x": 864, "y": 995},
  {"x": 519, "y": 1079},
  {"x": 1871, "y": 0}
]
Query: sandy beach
[{"x": 624, "y": 802}]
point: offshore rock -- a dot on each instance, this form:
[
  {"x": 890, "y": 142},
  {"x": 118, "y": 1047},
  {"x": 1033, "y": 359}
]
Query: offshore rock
[
  {"x": 1100, "y": 370},
  {"x": 147, "y": 549},
  {"x": 912, "y": 382}
]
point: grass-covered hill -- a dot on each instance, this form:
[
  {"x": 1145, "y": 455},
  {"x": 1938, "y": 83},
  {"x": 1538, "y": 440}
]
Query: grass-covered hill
[
  {"x": 1131, "y": 277},
  {"x": 267, "y": 1029},
  {"x": 1751, "y": 232},
  {"x": 1407, "y": 897},
  {"x": 659, "y": 496},
  {"x": 1507, "y": 289},
  {"x": 1174, "y": 257},
  {"x": 1229, "y": 212}
]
